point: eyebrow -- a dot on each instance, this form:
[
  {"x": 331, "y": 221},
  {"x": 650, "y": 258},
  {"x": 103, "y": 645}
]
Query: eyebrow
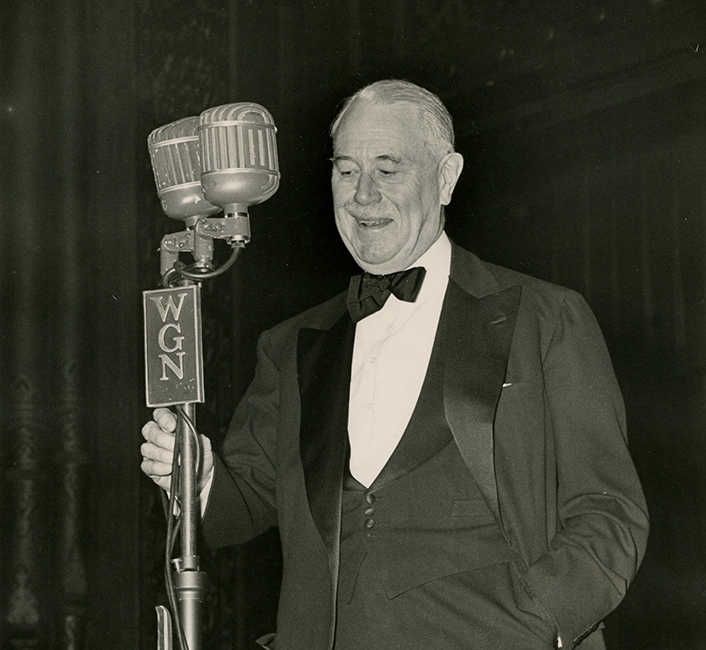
[
  {"x": 387, "y": 157},
  {"x": 394, "y": 159}
]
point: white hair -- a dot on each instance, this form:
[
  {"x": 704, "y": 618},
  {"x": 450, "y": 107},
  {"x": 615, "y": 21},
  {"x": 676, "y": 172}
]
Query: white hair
[{"x": 437, "y": 124}]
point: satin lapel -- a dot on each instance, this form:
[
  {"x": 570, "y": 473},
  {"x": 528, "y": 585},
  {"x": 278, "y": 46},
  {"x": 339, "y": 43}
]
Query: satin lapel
[
  {"x": 324, "y": 365},
  {"x": 477, "y": 344}
]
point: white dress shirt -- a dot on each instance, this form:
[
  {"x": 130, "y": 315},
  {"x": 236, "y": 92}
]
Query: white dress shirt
[{"x": 391, "y": 355}]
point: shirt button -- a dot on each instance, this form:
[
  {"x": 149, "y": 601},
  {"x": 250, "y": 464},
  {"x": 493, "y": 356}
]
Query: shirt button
[
  {"x": 369, "y": 511},
  {"x": 370, "y": 498},
  {"x": 369, "y": 523},
  {"x": 370, "y": 405},
  {"x": 373, "y": 360}
]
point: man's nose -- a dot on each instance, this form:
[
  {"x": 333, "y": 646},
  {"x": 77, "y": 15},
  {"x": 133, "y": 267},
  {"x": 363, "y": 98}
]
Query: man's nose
[{"x": 366, "y": 192}]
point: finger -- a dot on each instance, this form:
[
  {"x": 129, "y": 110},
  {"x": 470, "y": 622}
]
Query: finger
[
  {"x": 165, "y": 419},
  {"x": 206, "y": 444},
  {"x": 155, "y": 453},
  {"x": 153, "y": 433},
  {"x": 154, "y": 469},
  {"x": 165, "y": 482}
]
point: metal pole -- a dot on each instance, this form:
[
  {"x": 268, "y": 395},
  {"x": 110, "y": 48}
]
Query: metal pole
[
  {"x": 189, "y": 580},
  {"x": 187, "y": 489}
]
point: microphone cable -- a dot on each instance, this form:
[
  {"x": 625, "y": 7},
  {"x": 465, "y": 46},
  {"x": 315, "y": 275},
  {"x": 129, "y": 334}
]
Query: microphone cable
[{"x": 181, "y": 270}]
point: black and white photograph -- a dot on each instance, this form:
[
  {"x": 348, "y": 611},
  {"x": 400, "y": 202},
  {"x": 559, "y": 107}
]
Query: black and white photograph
[{"x": 353, "y": 325}]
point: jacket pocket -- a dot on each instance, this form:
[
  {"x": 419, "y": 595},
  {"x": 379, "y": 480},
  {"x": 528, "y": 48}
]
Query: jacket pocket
[{"x": 537, "y": 617}]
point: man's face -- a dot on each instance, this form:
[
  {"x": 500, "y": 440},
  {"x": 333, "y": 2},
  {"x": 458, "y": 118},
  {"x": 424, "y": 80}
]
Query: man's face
[{"x": 386, "y": 187}]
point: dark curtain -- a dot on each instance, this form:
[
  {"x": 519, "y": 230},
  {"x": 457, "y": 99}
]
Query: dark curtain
[
  {"x": 69, "y": 325},
  {"x": 582, "y": 125}
]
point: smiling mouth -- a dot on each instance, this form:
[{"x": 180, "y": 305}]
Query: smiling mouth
[{"x": 373, "y": 223}]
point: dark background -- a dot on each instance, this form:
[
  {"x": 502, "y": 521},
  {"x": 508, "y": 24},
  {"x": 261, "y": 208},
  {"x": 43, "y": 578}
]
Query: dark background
[{"x": 583, "y": 127}]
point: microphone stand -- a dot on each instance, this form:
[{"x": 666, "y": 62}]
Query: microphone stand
[
  {"x": 188, "y": 580},
  {"x": 226, "y": 159}
]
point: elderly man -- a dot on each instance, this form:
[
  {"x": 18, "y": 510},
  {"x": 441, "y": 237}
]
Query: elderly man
[{"x": 442, "y": 446}]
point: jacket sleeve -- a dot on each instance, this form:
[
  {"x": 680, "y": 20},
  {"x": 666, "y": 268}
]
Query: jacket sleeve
[
  {"x": 602, "y": 521},
  {"x": 242, "y": 501}
]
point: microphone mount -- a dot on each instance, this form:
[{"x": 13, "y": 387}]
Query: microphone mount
[{"x": 198, "y": 239}]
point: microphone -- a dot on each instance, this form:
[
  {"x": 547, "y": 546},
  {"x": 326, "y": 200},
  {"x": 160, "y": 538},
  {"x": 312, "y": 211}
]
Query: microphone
[
  {"x": 174, "y": 151},
  {"x": 239, "y": 165},
  {"x": 224, "y": 159}
]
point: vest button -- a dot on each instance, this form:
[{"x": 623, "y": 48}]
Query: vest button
[
  {"x": 370, "y": 498},
  {"x": 369, "y": 523},
  {"x": 369, "y": 511}
]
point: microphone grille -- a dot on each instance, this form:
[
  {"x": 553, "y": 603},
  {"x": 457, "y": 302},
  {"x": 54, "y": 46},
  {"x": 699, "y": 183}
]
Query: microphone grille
[
  {"x": 239, "y": 154},
  {"x": 174, "y": 151},
  {"x": 238, "y": 136},
  {"x": 176, "y": 163}
]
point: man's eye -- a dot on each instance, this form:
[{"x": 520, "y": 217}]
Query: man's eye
[
  {"x": 387, "y": 172},
  {"x": 344, "y": 172}
]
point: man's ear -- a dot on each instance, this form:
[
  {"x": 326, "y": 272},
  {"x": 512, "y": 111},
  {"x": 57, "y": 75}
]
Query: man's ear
[{"x": 450, "y": 169}]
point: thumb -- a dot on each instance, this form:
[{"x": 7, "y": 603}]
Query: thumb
[{"x": 206, "y": 459}]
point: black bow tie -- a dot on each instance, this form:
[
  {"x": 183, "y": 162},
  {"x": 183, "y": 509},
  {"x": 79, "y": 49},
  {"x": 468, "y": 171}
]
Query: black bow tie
[{"x": 367, "y": 293}]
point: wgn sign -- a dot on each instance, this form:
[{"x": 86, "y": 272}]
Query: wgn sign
[{"x": 173, "y": 354}]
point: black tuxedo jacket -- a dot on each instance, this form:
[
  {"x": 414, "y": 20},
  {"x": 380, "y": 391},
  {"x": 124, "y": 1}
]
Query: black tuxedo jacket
[{"x": 534, "y": 407}]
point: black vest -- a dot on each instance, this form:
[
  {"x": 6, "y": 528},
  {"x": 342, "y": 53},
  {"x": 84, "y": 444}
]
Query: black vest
[{"x": 423, "y": 517}]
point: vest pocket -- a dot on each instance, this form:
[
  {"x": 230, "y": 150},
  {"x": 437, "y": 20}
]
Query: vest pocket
[{"x": 469, "y": 508}]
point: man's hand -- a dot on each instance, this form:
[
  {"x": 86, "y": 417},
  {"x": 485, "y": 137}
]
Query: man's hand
[{"x": 158, "y": 451}]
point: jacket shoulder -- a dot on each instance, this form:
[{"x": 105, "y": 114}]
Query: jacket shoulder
[
  {"x": 480, "y": 278},
  {"x": 536, "y": 288},
  {"x": 544, "y": 306},
  {"x": 549, "y": 312}
]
